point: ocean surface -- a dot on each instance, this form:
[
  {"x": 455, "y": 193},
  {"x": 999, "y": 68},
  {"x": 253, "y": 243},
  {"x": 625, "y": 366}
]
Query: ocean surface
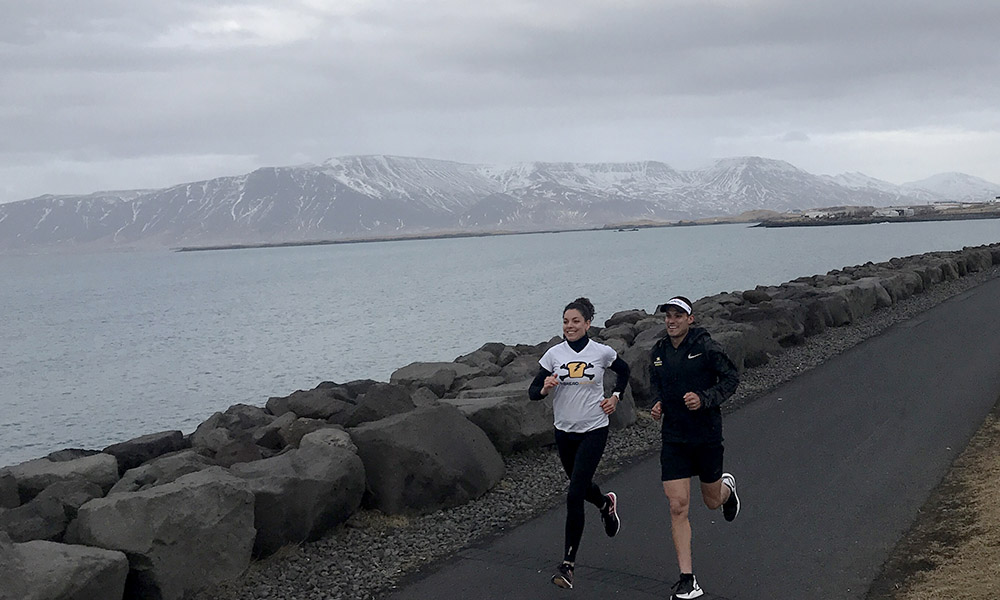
[{"x": 100, "y": 348}]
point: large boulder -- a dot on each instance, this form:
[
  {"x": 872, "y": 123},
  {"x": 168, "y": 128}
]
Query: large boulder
[
  {"x": 302, "y": 493},
  {"x": 380, "y": 401},
  {"x": 426, "y": 459},
  {"x": 35, "y": 475},
  {"x": 159, "y": 471},
  {"x": 39, "y": 519},
  {"x": 180, "y": 537},
  {"x": 136, "y": 451},
  {"x": 783, "y": 320},
  {"x": 270, "y": 436},
  {"x": 638, "y": 359},
  {"x": 524, "y": 366},
  {"x": 440, "y": 377},
  {"x": 292, "y": 433},
  {"x": 513, "y": 423},
  {"x": 9, "y": 497},
  {"x": 625, "y": 317},
  {"x": 625, "y": 413},
  {"x": 481, "y": 359},
  {"x": 41, "y": 570},
  {"x": 324, "y": 403}
]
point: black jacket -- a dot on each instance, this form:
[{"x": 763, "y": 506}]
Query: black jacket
[{"x": 699, "y": 365}]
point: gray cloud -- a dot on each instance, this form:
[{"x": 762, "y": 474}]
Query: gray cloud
[{"x": 115, "y": 94}]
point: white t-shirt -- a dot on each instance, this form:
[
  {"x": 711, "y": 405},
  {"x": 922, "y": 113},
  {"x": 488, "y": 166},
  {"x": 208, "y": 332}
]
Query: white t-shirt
[{"x": 576, "y": 401}]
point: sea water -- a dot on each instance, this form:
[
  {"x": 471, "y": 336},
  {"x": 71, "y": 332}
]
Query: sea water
[{"x": 99, "y": 348}]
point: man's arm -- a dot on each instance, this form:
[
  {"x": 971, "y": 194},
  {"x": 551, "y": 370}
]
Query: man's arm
[{"x": 728, "y": 377}]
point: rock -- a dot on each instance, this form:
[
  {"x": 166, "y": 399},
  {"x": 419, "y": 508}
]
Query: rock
[
  {"x": 8, "y": 491},
  {"x": 523, "y": 367},
  {"x": 179, "y": 537},
  {"x": 625, "y": 414},
  {"x": 783, "y": 320},
  {"x": 71, "y": 495},
  {"x": 515, "y": 389},
  {"x": 270, "y": 436},
  {"x": 625, "y": 317},
  {"x": 746, "y": 345},
  {"x": 511, "y": 423},
  {"x": 358, "y": 387},
  {"x": 481, "y": 359},
  {"x": 426, "y": 459},
  {"x": 381, "y": 400},
  {"x": 638, "y": 359},
  {"x": 479, "y": 383},
  {"x": 136, "y": 451},
  {"x": 320, "y": 403},
  {"x": 424, "y": 397},
  {"x": 39, "y": 519},
  {"x": 292, "y": 433},
  {"x": 301, "y": 494},
  {"x": 493, "y": 348},
  {"x": 161, "y": 470},
  {"x": 506, "y": 356},
  {"x": 756, "y": 296},
  {"x": 68, "y": 454},
  {"x": 35, "y": 475},
  {"x": 440, "y": 377},
  {"x": 50, "y": 571},
  {"x": 625, "y": 331}
]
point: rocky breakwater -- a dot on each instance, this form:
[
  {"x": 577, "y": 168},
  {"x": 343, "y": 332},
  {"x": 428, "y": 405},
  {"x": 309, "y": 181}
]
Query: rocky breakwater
[{"x": 167, "y": 514}]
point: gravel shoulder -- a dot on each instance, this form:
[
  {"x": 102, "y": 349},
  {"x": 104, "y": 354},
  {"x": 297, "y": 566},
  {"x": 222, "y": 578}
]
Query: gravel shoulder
[
  {"x": 953, "y": 549},
  {"x": 365, "y": 557}
]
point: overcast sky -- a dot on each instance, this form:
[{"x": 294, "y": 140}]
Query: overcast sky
[{"x": 120, "y": 94}]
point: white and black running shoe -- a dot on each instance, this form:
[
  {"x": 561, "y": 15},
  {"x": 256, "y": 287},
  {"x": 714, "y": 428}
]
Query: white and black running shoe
[
  {"x": 686, "y": 588},
  {"x": 564, "y": 576},
  {"x": 609, "y": 514},
  {"x": 731, "y": 507}
]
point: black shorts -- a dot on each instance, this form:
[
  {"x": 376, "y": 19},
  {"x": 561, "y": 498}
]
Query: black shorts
[{"x": 680, "y": 460}]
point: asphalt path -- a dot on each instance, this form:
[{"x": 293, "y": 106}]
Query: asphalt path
[{"x": 832, "y": 468}]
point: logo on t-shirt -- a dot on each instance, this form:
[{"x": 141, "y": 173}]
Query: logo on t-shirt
[{"x": 576, "y": 370}]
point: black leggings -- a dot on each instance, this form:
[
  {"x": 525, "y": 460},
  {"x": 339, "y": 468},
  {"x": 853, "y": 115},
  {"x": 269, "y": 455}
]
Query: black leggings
[{"x": 580, "y": 453}]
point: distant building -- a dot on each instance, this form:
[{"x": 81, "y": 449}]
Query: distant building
[{"x": 893, "y": 212}]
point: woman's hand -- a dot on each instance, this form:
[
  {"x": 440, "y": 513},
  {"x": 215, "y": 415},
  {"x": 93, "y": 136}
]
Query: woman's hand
[
  {"x": 609, "y": 404},
  {"x": 656, "y": 411},
  {"x": 550, "y": 382}
]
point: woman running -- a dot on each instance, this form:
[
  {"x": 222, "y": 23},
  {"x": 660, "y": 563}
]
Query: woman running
[{"x": 573, "y": 372}]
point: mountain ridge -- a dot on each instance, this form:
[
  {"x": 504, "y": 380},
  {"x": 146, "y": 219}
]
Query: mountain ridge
[{"x": 360, "y": 196}]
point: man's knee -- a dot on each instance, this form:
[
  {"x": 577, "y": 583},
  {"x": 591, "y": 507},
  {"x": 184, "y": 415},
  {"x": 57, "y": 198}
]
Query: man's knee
[{"x": 679, "y": 505}]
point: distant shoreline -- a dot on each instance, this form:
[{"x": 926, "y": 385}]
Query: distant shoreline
[
  {"x": 423, "y": 236},
  {"x": 619, "y": 227},
  {"x": 821, "y": 222}
]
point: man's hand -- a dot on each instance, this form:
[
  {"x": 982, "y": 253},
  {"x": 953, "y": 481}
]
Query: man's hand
[
  {"x": 692, "y": 401},
  {"x": 656, "y": 411}
]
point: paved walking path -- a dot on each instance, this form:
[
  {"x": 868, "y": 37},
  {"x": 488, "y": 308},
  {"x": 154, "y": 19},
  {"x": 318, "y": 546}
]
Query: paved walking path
[{"x": 832, "y": 468}]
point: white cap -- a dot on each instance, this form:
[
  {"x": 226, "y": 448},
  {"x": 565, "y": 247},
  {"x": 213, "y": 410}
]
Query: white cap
[{"x": 675, "y": 302}]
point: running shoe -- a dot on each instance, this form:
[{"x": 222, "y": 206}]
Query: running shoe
[
  {"x": 686, "y": 588},
  {"x": 609, "y": 514},
  {"x": 731, "y": 507},
  {"x": 564, "y": 576}
]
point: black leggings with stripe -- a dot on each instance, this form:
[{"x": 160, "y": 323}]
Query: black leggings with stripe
[{"x": 580, "y": 454}]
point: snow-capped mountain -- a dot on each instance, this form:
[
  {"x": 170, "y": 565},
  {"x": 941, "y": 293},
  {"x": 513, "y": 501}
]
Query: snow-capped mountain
[
  {"x": 374, "y": 196},
  {"x": 957, "y": 187}
]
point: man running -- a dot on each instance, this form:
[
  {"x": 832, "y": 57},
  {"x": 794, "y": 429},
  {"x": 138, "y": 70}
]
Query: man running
[{"x": 691, "y": 377}]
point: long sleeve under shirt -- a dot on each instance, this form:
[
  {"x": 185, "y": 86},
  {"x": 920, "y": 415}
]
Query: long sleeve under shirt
[{"x": 581, "y": 366}]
